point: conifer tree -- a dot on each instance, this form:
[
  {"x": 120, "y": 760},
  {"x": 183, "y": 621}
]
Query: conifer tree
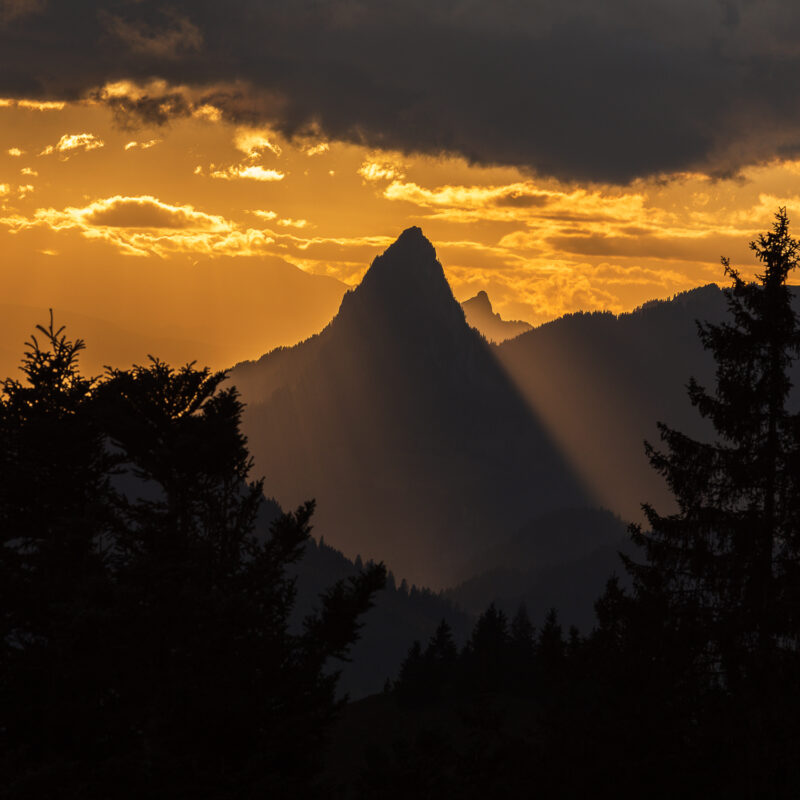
[
  {"x": 442, "y": 648},
  {"x": 146, "y": 648},
  {"x": 724, "y": 566}
]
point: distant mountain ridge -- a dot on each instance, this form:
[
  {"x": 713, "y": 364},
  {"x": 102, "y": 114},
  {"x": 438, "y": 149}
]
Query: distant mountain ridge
[
  {"x": 424, "y": 445},
  {"x": 480, "y": 315},
  {"x": 560, "y": 560},
  {"x": 399, "y": 419}
]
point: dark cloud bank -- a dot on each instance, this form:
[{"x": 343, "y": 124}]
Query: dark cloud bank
[{"x": 585, "y": 90}]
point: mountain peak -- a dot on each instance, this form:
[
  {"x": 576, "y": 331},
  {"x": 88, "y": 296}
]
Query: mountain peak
[
  {"x": 412, "y": 237},
  {"x": 405, "y": 288},
  {"x": 480, "y": 303},
  {"x": 407, "y": 267},
  {"x": 480, "y": 314},
  {"x": 411, "y": 250}
]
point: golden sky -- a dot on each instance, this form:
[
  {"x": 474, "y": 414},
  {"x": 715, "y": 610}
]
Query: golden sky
[{"x": 175, "y": 232}]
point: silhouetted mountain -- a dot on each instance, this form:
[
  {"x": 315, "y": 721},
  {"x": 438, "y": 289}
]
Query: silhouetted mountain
[
  {"x": 551, "y": 539},
  {"x": 560, "y": 560},
  {"x": 399, "y": 420},
  {"x": 480, "y": 314},
  {"x": 601, "y": 382},
  {"x": 424, "y": 444}
]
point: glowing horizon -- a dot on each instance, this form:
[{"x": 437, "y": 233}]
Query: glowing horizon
[{"x": 85, "y": 202}]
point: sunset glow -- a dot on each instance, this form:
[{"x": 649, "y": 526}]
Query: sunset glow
[{"x": 81, "y": 192}]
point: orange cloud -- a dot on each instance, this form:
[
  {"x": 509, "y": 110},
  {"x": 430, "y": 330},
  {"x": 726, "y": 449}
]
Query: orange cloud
[
  {"x": 317, "y": 149},
  {"x": 383, "y": 167},
  {"x": 134, "y": 145},
  {"x": 32, "y": 105},
  {"x": 283, "y": 222},
  {"x": 252, "y": 172},
  {"x": 42, "y": 105},
  {"x": 253, "y": 142},
  {"x": 147, "y": 212},
  {"x": 145, "y": 225},
  {"x": 71, "y": 143}
]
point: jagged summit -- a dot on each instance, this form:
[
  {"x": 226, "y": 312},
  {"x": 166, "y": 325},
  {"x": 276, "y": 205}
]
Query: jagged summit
[
  {"x": 406, "y": 284},
  {"x": 480, "y": 314},
  {"x": 480, "y": 301},
  {"x": 412, "y": 239},
  {"x": 410, "y": 259}
]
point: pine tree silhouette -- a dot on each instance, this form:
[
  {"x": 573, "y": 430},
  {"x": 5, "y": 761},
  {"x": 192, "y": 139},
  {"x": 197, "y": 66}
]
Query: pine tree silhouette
[
  {"x": 720, "y": 582},
  {"x": 146, "y": 647}
]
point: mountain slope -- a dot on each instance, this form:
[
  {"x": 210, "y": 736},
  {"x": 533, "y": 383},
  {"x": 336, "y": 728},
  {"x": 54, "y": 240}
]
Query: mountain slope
[
  {"x": 400, "y": 421},
  {"x": 480, "y": 314},
  {"x": 561, "y": 560},
  {"x": 601, "y": 382}
]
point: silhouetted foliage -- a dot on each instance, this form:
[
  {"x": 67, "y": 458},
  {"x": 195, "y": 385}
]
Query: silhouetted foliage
[
  {"x": 146, "y": 647},
  {"x": 397, "y": 618},
  {"x": 716, "y": 603}
]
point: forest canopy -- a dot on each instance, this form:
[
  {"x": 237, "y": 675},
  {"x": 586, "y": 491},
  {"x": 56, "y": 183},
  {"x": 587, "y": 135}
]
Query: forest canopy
[{"x": 146, "y": 646}]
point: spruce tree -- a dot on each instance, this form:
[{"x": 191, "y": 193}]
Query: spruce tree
[
  {"x": 724, "y": 566},
  {"x": 715, "y": 616}
]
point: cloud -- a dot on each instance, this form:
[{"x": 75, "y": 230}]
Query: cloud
[
  {"x": 42, "y": 105},
  {"x": 647, "y": 246},
  {"x": 15, "y": 152},
  {"x": 71, "y": 143},
  {"x": 293, "y": 223},
  {"x": 379, "y": 168},
  {"x": 32, "y": 105},
  {"x": 253, "y": 172},
  {"x": 581, "y": 90},
  {"x": 284, "y": 222},
  {"x": 317, "y": 149},
  {"x": 167, "y": 38},
  {"x": 253, "y": 142},
  {"x": 145, "y": 225},
  {"x": 134, "y": 145},
  {"x": 146, "y": 212}
]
